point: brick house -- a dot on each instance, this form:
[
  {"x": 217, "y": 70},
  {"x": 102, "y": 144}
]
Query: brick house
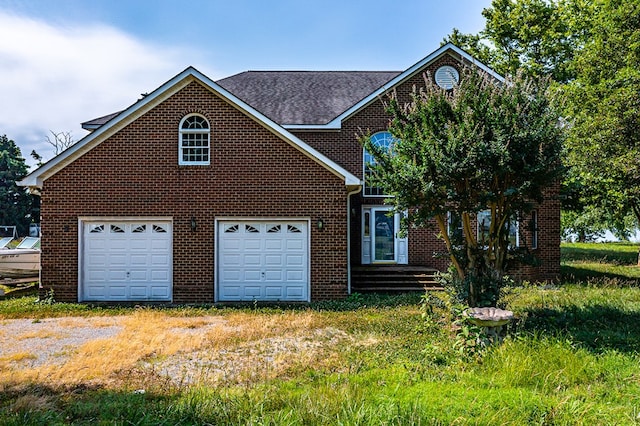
[{"x": 249, "y": 188}]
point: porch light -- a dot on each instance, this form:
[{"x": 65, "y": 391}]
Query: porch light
[
  {"x": 320, "y": 224},
  {"x": 194, "y": 225}
]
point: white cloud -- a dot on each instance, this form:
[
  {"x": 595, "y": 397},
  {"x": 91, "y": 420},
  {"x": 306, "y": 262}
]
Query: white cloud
[{"x": 53, "y": 78}]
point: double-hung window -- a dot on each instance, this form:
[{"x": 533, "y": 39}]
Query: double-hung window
[{"x": 195, "y": 149}]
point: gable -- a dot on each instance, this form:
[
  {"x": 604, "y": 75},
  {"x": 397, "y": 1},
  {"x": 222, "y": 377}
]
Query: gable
[
  {"x": 119, "y": 121},
  {"x": 446, "y": 51}
]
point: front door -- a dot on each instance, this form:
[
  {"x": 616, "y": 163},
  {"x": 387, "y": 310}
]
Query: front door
[{"x": 380, "y": 241}]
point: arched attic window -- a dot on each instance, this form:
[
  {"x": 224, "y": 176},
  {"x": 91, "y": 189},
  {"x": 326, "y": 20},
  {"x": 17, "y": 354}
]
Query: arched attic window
[
  {"x": 383, "y": 140},
  {"x": 194, "y": 145}
]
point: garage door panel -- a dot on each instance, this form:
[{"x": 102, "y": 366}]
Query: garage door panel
[
  {"x": 118, "y": 259},
  {"x": 97, "y": 291},
  {"x": 252, "y": 292},
  {"x": 117, "y": 291},
  {"x": 294, "y": 260},
  {"x": 95, "y": 244},
  {"x": 138, "y": 291},
  {"x": 98, "y": 276},
  {"x": 139, "y": 275},
  {"x": 293, "y": 275},
  {"x": 138, "y": 260},
  {"x": 252, "y": 275},
  {"x": 139, "y": 246},
  {"x": 273, "y": 260},
  {"x": 252, "y": 259},
  {"x": 294, "y": 244},
  {"x": 231, "y": 245},
  {"x": 231, "y": 292},
  {"x": 161, "y": 244},
  {"x": 294, "y": 292},
  {"x": 274, "y": 292},
  {"x": 97, "y": 260},
  {"x": 159, "y": 292},
  {"x": 127, "y": 261},
  {"x": 116, "y": 275},
  {"x": 118, "y": 243},
  {"x": 232, "y": 259},
  {"x": 229, "y": 275},
  {"x": 160, "y": 260},
  {"x": 253, "y": 244},
  {"x": 263, "y": 261},
  {"x": 159, "y": 276},
  {"x": 271, "y": 244},
  {"x": 275, "y": 275}
]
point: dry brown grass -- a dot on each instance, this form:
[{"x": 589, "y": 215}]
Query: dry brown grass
[
  {"x": 154, "y": 347},
  {"x": 17, "y": 357},
  {"x": 39, "y": 334}
]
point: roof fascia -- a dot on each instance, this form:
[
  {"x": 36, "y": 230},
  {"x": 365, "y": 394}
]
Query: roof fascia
[
  {"x": 36, "y": 178},
  {"x": 336, "y": 123}
]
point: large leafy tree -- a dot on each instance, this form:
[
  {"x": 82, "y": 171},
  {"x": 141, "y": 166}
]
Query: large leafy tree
[
  {"x": 537, "y": 37},
  {"x": 603, "y": 109},
  {"x": 484, "y": 145},
  {"x": 15, "y": 203},
  {"x": 573, "y": 41}
]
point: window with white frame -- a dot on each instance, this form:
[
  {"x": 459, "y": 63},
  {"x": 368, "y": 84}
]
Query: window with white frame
[
  {"x": 383, "y": 140},
  {"x": 484, "y": 224},
  {"x": 194, "y": 141}
]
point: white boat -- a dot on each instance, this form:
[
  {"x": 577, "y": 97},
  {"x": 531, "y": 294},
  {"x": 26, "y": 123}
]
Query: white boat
[{"x": 22, "y": 261}]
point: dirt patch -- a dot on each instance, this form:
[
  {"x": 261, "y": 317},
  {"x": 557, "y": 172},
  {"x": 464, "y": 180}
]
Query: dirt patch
[
  {"x": 180, "y": 351},
  {"x": 247, "y": 362},
  {"x": 50, "y": 341}
]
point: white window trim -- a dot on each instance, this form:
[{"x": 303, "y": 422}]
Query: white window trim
[
  {"x": 182, "y": 131},
  {"x": 534, "y": 232}
]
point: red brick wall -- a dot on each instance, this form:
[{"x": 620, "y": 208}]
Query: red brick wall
[
  {"x": 343, "y": 147},
  {"x": 253, "y": 174}
]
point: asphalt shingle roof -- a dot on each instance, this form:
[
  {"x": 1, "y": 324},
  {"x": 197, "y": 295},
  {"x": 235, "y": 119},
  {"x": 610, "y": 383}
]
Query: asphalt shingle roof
[
  {"x": 296, "y": 97},
  {"x": 304, "y": 97}
]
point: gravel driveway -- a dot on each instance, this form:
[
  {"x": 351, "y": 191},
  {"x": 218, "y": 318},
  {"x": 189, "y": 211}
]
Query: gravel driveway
[{"x": 34, "y": 347}]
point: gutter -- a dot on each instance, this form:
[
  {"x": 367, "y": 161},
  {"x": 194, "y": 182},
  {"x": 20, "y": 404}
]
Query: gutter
[{"x": 349, "y": 194}]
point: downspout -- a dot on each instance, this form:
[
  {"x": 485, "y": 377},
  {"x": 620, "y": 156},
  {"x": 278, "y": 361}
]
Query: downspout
[{"x": 349, "y": 194}]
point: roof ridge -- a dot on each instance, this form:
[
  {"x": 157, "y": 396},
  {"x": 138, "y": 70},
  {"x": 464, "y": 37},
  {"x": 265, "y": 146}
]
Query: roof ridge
[{"x": 320, "y": 71}]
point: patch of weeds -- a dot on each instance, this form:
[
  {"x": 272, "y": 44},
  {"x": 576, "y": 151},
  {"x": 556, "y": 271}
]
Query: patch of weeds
[
  {"x": 458, "y": 339},
  {"x": 357, "y": 301},
  {"x": 48, "y": 298}
]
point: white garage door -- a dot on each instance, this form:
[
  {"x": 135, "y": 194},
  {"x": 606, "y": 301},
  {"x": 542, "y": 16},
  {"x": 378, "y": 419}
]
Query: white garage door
[
  {"x": 126, "y": 261},
  {"x": 263, "y": 261}
]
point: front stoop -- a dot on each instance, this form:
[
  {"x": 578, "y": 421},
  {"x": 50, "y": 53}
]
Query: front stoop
[{"x": 392, "y": 278}]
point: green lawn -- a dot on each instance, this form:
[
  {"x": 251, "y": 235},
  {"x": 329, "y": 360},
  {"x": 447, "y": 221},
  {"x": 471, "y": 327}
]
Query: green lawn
[
  {"x": 588, "y": 261},
  {"x": 572, "y": 358}
]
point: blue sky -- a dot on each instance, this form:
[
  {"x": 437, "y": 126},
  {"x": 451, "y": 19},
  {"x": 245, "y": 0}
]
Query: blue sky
[{"x": 67, "y": 61}]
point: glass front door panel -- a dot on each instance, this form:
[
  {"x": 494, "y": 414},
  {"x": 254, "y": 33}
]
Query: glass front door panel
[{"x": 384, "y": 237}]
